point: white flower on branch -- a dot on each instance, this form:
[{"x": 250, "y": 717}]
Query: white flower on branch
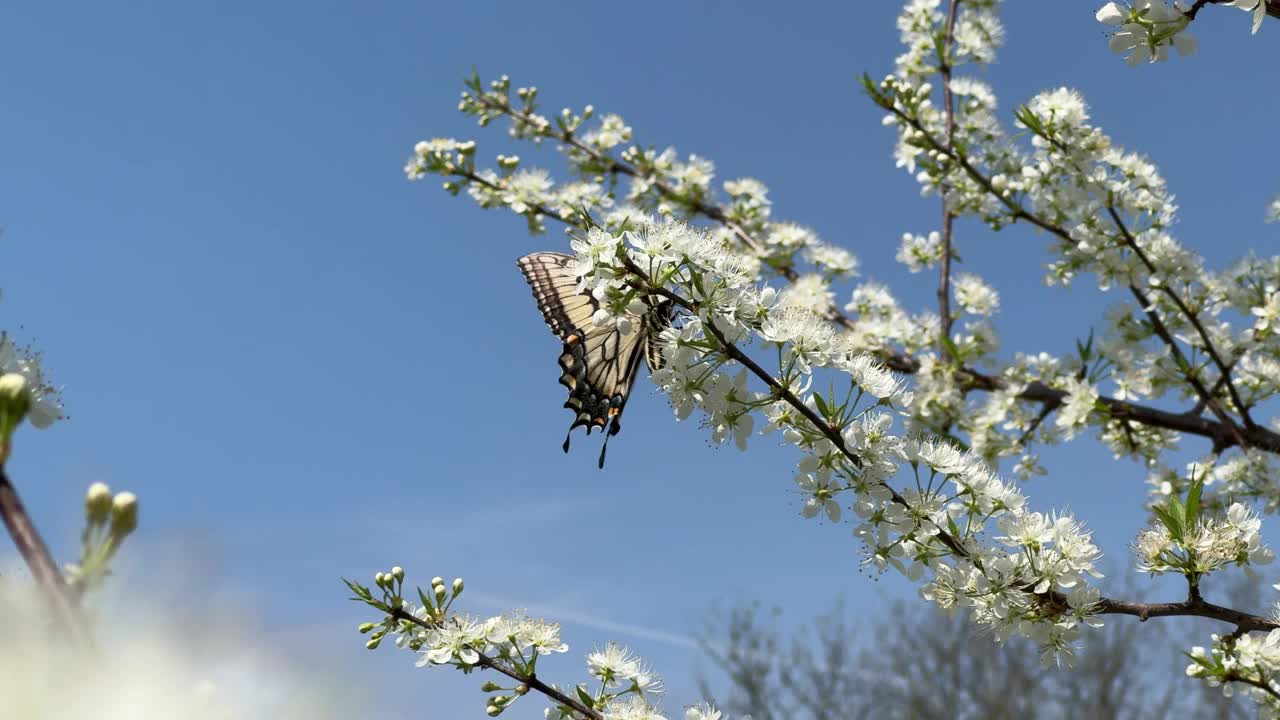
[
  {"x": 820, "y": 495},
  {"x": 975, "y": 295},
  {"x": 1146, "y": 29},
  {"x": 454, "y": 641},
  {"x": 1082, "y": 398},
  {"x": 1257, "y": 7},
  {"x": 918, "y": 252}
]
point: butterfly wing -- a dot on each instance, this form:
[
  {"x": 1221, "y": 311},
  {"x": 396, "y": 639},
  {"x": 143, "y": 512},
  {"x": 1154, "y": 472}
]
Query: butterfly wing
[
  {"x": 598, "y": 365},
  {"x": 655, "y": 321}
]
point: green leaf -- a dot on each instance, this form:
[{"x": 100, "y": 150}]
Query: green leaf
[
  {"x": 362, "y": 592},
  {"x": 952, "y": 349},
  {"x": 1179, "y": 513},
  {"x": 1193, "y": 501},
  {"x": 822, "y": 405},
  {"x": 585, "y": 697},
  {"x": 426, "y": 601},
  {"x": 1169, "y": 521}
]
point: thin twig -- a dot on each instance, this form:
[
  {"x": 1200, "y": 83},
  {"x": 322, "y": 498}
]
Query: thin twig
[
  {"x": 40, "y": 561},
  {"x": 948, "y": 218},
  {"x": 531, "y": 680},
  {"x": 1235, "y": 676},
  {"x": 1191, "y": 316}
]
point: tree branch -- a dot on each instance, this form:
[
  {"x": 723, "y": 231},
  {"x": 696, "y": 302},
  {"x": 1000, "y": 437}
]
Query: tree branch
[
  {"x": 1191, "y": 607},
  {"x": 1218, "y": 433},
  {"x": 1018, "y": 212}
]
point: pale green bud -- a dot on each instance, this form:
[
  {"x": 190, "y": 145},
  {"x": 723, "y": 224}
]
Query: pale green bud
[
  {"x": 15, "y": 401},
  {"x": 437, "y": 580},
  {"x": 366, "y": 627},
  {"x": 440, "y": 593},
  {"x": 492, "y": 710},
  {"x": 374, "y": 642},
  {"x": 13, "y": 389},
  {"x": 397, "y": 572},
  {"x": 97, "y": 504},
  {"x": 457, "y": 586},
  {"x": 490, "y": 686},
  {"x": 379, "y": 579},
  {"x": 124, "y": 514}
]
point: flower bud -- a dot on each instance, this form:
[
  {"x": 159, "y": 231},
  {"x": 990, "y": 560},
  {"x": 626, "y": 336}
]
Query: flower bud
[
  {"x": 492, "y": 710},
  {"x": 97, "y": 504},
  {"x": 440, "y": 593},
  {"x": 366, "y": 627},
  {"x": 490, "y": 686},
  {"x": 457, "y": 586},
  {"x": 373, "y": 643},
  {"x": 124, "y": 514},
  {"x": 397, "y": 572},
  {"x": 13, "y": 389},
  {"x": 437, "y": 580},
  {"x": 15, "y": 401}
]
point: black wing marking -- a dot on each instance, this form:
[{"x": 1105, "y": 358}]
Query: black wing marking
[
  {"x": 655, "y": 321},
  {"x": 597, "y": 365}
]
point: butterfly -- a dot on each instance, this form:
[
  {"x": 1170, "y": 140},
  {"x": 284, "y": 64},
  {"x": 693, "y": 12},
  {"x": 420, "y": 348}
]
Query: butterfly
[{"x": 598, "y": 364}]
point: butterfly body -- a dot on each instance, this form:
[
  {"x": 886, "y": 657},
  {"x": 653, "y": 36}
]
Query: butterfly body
[{"x": 598, "y": 364}]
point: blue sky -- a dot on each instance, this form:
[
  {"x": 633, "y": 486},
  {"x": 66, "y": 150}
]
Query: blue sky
[{"x": 308, "y": 367}]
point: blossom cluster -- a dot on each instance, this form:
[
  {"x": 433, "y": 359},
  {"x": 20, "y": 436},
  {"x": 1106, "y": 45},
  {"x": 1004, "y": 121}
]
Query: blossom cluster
[
  {"x": 1249, "y": 660},
  {"x": 510, "y": 645},
  {"x": 1194, "y": 334},
  {"x": 876, "y": 447},
  {"x": 1146, "y": 29},
  {"x": 952, "y": 525}
]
